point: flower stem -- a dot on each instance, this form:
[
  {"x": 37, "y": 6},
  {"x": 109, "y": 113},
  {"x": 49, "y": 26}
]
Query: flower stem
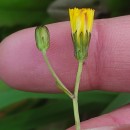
[
  {"x": 58, "y": 81},
  {"x": 76, "y": 113},
  {"x": 75, "y": 99},
  {"x": 78, "y": 77}
]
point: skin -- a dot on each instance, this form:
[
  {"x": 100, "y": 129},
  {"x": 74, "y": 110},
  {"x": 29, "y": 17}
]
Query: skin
[{"x": 106, "y": 68}]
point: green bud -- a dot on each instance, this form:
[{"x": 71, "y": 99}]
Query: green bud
[
  {"x": 42, "y": 38},
  {"x": 81, "y": 45}
]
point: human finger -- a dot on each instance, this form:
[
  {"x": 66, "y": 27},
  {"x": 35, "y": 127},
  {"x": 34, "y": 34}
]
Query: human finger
[
  {"x": 106, "y": 68},
  {"x": 116, "y": 120}
]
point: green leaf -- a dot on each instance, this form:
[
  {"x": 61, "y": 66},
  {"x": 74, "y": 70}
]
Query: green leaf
[
  {"x": 3, "y": 87},
  {"x": 15, "y": 96},
  {"x": 10, "y": 96},
  {"x": 121, "y": 100}
]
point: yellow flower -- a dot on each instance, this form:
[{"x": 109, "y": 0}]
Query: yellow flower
[{"x": 81, "y": 24}]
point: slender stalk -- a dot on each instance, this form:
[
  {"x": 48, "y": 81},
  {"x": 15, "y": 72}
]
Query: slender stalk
[
  {"x": 58, "y": 81},
  {"x": 75, "y": 99},
  {"x": 76, "y": 113},
  {"x": 78, "y": 77}
]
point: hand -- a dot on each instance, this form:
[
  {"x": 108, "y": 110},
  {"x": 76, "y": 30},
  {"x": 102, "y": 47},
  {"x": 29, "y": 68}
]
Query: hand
[{"x": 107, "y": 67}]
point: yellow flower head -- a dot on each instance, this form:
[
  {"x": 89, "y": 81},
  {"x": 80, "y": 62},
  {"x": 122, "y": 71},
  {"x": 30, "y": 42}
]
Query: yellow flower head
[
  {"x": 81, "y": 20},
  {"x": 81, "y": 24}
]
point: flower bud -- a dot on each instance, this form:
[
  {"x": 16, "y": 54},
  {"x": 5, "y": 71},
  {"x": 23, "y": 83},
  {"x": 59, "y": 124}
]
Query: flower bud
[
  {"x": 42, "y": 38},
  {"x": 81, "y": 24}
]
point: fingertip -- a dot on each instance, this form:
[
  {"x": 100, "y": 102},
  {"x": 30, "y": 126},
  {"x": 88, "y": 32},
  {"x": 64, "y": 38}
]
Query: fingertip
[
  {"x": 18, "y": 58},
  {"x": 22, "y": 65}
]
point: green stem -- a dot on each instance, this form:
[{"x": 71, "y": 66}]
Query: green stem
[
  {"x": 58, "y": 81},
  {"x": 78, "y": 77},
  {"x": 75, "y": 99},
  {"x": 76, "y": 113}
]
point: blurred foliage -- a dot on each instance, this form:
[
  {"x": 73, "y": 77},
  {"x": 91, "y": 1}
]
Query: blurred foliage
[
  {"x": 118, "y": 7},
  {"x": 26, "y": 110},
  {"x": 24, "y": 12},
  {"x": 39, "y": 111},
  {"x": 35, "y": 111},
  {"x": 19, "y": 14}
]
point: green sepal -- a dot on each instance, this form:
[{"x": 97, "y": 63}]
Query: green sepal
[
  {"x": 81, "y": 44},
  {"x": 42, "y": 37}
]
